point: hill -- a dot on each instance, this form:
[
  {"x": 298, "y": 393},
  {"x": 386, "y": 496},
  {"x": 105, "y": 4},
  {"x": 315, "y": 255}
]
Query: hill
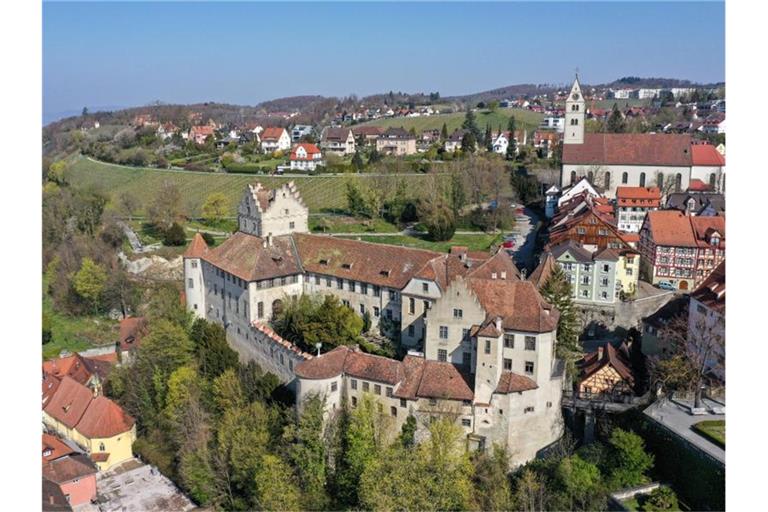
[{"x": 500, "y": 117}]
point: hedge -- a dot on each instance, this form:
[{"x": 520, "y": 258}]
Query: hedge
[{"x": 248, "y": 168}]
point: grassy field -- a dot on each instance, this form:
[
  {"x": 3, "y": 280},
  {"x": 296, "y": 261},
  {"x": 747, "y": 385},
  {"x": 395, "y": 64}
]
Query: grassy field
[
  {"x": 478, "y": 242},
  {"x": 77, "y": 333},
  {"x": 318, "y": 192},
  {"x": 713, "y": 430},
  {"x": 524, "y": 118},
  {"x": 345, "y": 224}
]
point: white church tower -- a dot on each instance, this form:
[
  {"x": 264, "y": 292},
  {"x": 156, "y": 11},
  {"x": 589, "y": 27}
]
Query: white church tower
[{"x": 574, "y": 115}]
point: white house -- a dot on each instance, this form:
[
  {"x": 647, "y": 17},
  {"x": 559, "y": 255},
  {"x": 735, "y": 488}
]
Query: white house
[
  {"x": 274, "y": 139},
  {"x": 305, "y": 157}
]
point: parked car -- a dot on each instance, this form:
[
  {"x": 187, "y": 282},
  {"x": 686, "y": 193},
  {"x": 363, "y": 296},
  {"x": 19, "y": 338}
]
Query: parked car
[{"x": 666, "y": 285}]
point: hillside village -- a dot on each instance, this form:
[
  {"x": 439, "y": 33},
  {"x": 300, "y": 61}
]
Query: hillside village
[{"x": 558, "y": 273}]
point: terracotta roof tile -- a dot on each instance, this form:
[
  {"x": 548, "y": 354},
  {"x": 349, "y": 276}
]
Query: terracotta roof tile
[
  {"x": 68, "y": 468},
  {"x": 638, "y": 196},
  {"x": 711, "y": 291},
  {"x": 69, "y": 402},
  {"x": 54, "y": 448},
  {"x": 132, "y": 330},
  {"x": 271, "y": 133},
  {"x": 311, "y": 150},
  {"x": 197, "y": 247},
  {"x": 513, "y": 383},
  {"x": 707, "y": 155},
  {"x": 330, "y": 364},
  {"x": 610, "y": 356},
  {"x": 104, "y": 418},
  {"x": 444, "y": 380},
  {"x": 676, "y": 229},
  {"x": 517, "y": 303},
  {"x": 50, "y": 386},
  {"x": 265, "y": 329},
  {"x": 630, "y": 149},
  {"x": 246, "y": 257}
]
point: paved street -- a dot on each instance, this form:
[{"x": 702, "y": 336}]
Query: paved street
[
  {"x": 675, "y": 415},
  {"x": 525, "y": 228}
]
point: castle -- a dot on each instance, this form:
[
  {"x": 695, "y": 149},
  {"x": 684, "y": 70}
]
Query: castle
[
  {"x": 610, "y": 160},
  {"x": 482, "y": 339}
]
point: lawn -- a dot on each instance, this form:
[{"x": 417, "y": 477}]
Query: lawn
[
  {"x": 524, "y": 118},
  {"x": 75, "y": 333},
  {"x": 475, "y": 242},
  {"x": 714, "y": 430},
  {"x": 346, "y": 224},
  {"x": 318, "y": 192}
]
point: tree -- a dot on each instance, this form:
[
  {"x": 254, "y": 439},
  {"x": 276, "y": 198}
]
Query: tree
[
  {"x": 227, "y": 391},
  {"x": 444, "y": 133},
  {"x": 694, "y": 353},
  {"x": 439, "y": 221},
  {"x": 307, "y": 451},
  {"x": 197, "y": 476},
  {"x": 582, "y": 483},
  {"x": 470, "y": 124},
  {"x": 355, "y": 199},
  {"x": 374, "y": 156},
  {"x": 530, "y": 491},
  {"x": 491, "y": 481},
  {"x": 616, "y": 121},
  {"x": 184, "y": 417},
  {"x": 357, "y": 162},
  {"x": 458, "y": 196},
  {"x": 557, "y": 291},
  {"x": 488, "y": 138},
  {"x": 213, "y": 352},
  {"x": 469, "y": 142},
  {"x": 166, "y": 207},
  {"x": 127, "y": 204},
  {"x": 214, "y": 207},
  {"x": 275, "y": 486},
  {"x": 512, "y": 146},
  {"x": 57, "y": 172},
  {"x": 175, "y": 235},
  {"x": 661, "y": 498},
  {"x": 627, "y": 459},
  {"x": 85, "y": 111},
  {"x": 408, "y": 432},
  {"x": 89, "y": 282},
  {"x": 360, "y": 449},
  {"x": 308, "y": 320},
  {"x": 493, "y": 105}
]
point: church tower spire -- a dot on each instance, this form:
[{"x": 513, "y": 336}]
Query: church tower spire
[{"x": 574, "y": 115}]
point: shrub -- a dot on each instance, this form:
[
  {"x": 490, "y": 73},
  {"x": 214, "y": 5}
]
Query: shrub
[
  {"x": 662, "y": 498},
  {"x": 175, "y": 235},
  {"x": 209, "y": 239}
]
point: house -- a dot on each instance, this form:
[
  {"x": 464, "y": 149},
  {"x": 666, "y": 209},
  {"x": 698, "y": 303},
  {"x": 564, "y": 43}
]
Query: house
[
  {"x": 75, "y": 475},
  {"x": 653, "y": 341},
  {"x": 53, "y": 499},
  {"x": 274, "y": 139},
  {"x": 396, "y": 141},
  {"x": 453, "y": 142},
  {"x": 299, "y": 131},
  {"x": 486, "y": 351},
  {"x": 553, "y": 123},
  {"x": 94, "y": 422},
  {"x": 338, "y": 141},
  {"x": 584, "y": 185},
  {"x": 706, "y": 318},
  {"x": 132, "y": 331},
  {"x": 366, "y": 135},
  {"x": 305, "y": 157},
  {"x": 166, "y": 130},
  {"x": 199, "y": 134},
  {"x": 632, "y": 159},
  {"x": 582, "y": 221},
  {"x": 550, "y": 201},
  {"x": 501, "y": 141},
  {"x": 607, "y": 371},
  {"x": 632, "y": 204},
  {"x": 714, "y": 123},
  {"x": 681, "y": 249},
  {"x": 592, "y": 274},
  {"x": 702, "y": 202},
  {"x": 88, "y": 371},
  {"x": 545, "y": 140}
]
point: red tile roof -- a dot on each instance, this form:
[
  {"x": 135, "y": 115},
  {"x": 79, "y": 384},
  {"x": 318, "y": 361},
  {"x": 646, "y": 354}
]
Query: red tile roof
[
  {"x": 711, "y": 292},
  {"x": 246, "y": 257},
  {"x": 608, "y": 356},
  {"x": 50, "y": 385},
  {"x": 513, "y": 383},
  {"x": 197, "y": 247},
  {"x": 707, "y": 155},
  {"x": 676, "y": 229},
  {"x": 517, "y": 303},
  {"x": 202, "y": 130},
  {"x": 638, "y": 196},
  {"x": 271, "y": 133},
  {"x": 68, "y": 468},
  {"x": 265, "y": 329},
  {"x": 311, "y": 150},
  {"x": 630, "y": 149},
  {"x": 55, "y": 446},
  {"x": 328, "y": 365},
  {"x": 69, "y": 402},
  {"x": 104, "y": 418},
  {"x": 445, "y": 381},
  {"x": 132, "y": 330}
]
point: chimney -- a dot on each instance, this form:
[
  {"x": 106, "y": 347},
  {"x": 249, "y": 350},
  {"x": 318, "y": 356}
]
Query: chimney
[
  {"x": 599, "y": 353},
  {"x": 269, "y": 240},
  {"x": 498, "y": 323}
]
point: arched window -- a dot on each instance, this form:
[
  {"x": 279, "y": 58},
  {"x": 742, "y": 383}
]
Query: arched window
[
  {"x": 624, "y": 178},
  {"x": 607, "y": 180},
  {"x": 591, "y": 177},
  {"x": 660, "y": 180},
  {"x": 642, "y": 179},
  {"x": 678, "y": 181},
  {"x": 573, "y": 177},
  {"x": 712, "y": 181},
  {"x": 574, "y": 122},
  {"x": 575, "y": 108}
]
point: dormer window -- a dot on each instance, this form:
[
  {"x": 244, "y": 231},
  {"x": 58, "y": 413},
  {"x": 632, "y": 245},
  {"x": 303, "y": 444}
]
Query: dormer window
[
  {"x": 47, "y": 452},
  {"x": 715, "y": 240},
  {"x": 324, "y": 262},
  {"x": 384, "y": 273},
  {"x": 346, "y": 266}
]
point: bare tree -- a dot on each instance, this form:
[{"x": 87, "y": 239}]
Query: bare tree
[{"x": 694, "y": 355}]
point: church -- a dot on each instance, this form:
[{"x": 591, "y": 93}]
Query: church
[{"x": 610, "y": 160}]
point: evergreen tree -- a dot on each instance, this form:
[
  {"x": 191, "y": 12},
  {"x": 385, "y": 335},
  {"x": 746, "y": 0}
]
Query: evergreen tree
[
  {"x": 557, "y": 291},
  {"x": 512, "y": 147},
  {"x": 511, "y": 124},
  {"x": 444, "y": 133},
  {"x": 470, "y": 124},
  {"x": 360, "y": 449},
  {"x": 616, "y": 121},
  {"x": 213, "y": 351},
  {"x": 357, "y": 162},
  {"x": 469, "y": 142},
  {"x": 307, "y": 451},
  {"x": 627, "y": 460},
  {"x": 488, "y": 138}
]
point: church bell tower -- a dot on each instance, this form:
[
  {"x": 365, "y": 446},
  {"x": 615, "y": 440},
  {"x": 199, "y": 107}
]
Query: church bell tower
[{"x": 574, "y": 115}]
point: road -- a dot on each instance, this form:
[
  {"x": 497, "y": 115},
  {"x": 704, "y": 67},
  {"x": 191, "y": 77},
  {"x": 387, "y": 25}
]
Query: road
[{"x": 526, "y": 228}]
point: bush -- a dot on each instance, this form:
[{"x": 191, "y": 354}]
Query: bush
[
  {"x": 47, "y": 332},
  {"x": 209, "y": 239},
  {"x": 246, "y": 168},
  {"x": 175, "y": 235},
  {"x": 662, "y": 498}
]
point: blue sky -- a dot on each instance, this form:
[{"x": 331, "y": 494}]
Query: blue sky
[{"x": 127, "y": 54}]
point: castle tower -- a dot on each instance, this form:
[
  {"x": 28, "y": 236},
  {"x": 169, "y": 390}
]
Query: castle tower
[
  {"x": 263, "y": 212},
  {"x": 574, "y": 115}
]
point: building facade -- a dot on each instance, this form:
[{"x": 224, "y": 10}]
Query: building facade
[
  {"x": 274, "y": 139},
  {"x": 338, "y": 141},
  {"x": 397, "y": 142},
  {"x": 632, "y": 204}
]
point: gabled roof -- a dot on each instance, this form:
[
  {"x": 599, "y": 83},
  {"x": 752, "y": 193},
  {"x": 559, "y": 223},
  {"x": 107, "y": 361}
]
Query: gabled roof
[
  {"x": 676, "y": 229},
  {"x": 78, "y": 367},
  {"x": 711, "y": 291},
  {"x": 630, "y": 149},
  {"x": 607, "y": 356},
  {"x": 104, "y": 418},
  {"x": 53, "y": 499},
  {"x": 707, "y": 155},
  {"x": 69, "y": 402},
  {"x": 517, "y": 303},
  {"x": 251, "y": 258},
  {"x": 132, "y": 330},
  {"x": 367, "y": 131},
  {"x": 513, "y": 383},
  {"x": 335, "y": 134},
  {"x": 575, "y": 249},
  {"x": 542, "y": 272},
  {"x": 702, "y": 199},
  {"x": 68, "y": 468},
  {"x": 271, "y": 133},
  {"x": 197, "y": 247},
  {"x": 638, "y": 196},
  {"x": 310, "y": 149},
  {"x": 54, "y": 448}
]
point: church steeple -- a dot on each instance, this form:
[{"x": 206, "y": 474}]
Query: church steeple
[{"x": 574, "y": 115}]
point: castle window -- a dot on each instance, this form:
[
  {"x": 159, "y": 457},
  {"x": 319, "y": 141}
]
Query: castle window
[
  {"x": 529, "y": 367},
  {"x": 376, "y": 311},
  {"x": 390, "y": 391},
  {"x": 574, "y": 122},
  {"x": 364, "y": 288},
  {"x": 366, "y": 387},
  {"x": 190, "y": 283},
  {"x": 508, "y": 364},
  {"x": 487, "y": 346},
  {"x": 339, "y": 283},
  {"x": 678, "y": 182},
  {"x": 353, "y": 383},
  {"x": 443, "y": 332},
  {"x": 458, "y": 313},
  {"x": 376, "y": 291},
  {"x": 607, "y": 180},
  {"x": 624, "y": 178},
  {"x": 466, "y": 422},
  {"x": 291, "y": 225},
  {"x": 334, "y": 384},
  {"x": 574, "y": 108},
  {"x": 403, "y": 403},
  {"x": 642, "y": 179},
  {"x": 328, "y": 282},
  {"x": 393, "y": 410},
  {"x": 442, "y": 355},
  {"x": 194, "y": 263},
  {"x": 530, "y": 343},
  {"x": 377, "y": 389},
  {"x": 411, "y": 306},
  {"x": 509, "y": 341}
]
